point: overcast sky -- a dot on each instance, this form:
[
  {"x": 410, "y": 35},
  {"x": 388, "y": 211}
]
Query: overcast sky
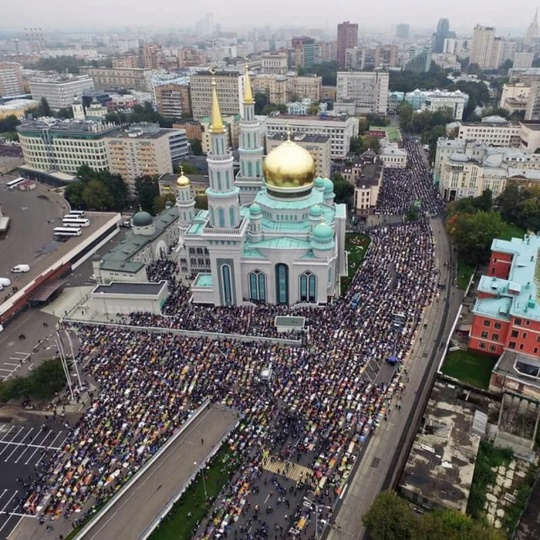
[{"x": 420, "y": 14}]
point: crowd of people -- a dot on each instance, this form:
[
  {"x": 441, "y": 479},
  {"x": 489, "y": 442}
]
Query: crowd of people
[
  {"x": 402, "y": 188},
  {"x": 324, "y": 398},
  {"x": 10, "y": 149}
]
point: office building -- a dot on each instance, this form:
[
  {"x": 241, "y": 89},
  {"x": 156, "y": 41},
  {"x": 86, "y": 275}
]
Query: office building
[
  {"x": 495, "y": 133},
  {"x": 419, "y": 59},
  {"x": 532, "y": 111},
  {"x": 274, "y": 63},
  {"x": 304, "y": 52},
  {"x": 339, "y": 128},
  {"x": 367, "y": 91},
  {"x": 144, "y": 149},
  {"x": 11, "y": 80},
  {"x": 386, "y": 56},
  {"x": 304, "y": 87},
  {"x": 422, "y": 100},
  {"x": 121, "y": 78},
  {"x": 392, "y": 156},
  {"x": 172, "y": 100},
  {"x": 275, "y": 87},
  {"x": 441, "y": 34},
  {"x": 319, "y": 146},
  {"x": 229, "y": 88},
  {"x": 482, "y": 46},
  {"x": 347, "y": 38},
  {"x": 191, "y": 127},
  {"x": 60, "y": 92},
  {"x": 506, "y": 314},
  {"x": 525, "y": 76},
  {"x": 523, "y": 60},
  {"x": 17, "y": 108},
  {"x": 402, "y": 31},
  {"x": 514, "y": 97}
]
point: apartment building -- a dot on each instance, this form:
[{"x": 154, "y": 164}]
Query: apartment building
[
  {"x": 506, "y": 314},
  {"x": 62, "y": 91},
  {"x": 482, "y": 45},
  {"x": 11, "y": 79},
  {"x": 339, "y": 128},
  {"x": 229, "y": 91},
  {"x": 275, "y": 87},
  {"x": 435, "y": 100},
  {"x": 366, "y": 175},
  {"x": 319, "y": 146},
  {"x": 523, "y": 60},
  {"x": 304, "y": 87},
  {"x": 232, "y": 128},
  {"x": 514, "y": 97},
  {"x": 499, "y": 133},
  {"x": 532, "y": 110},
  {"x": 347, "y": 38},
  {"x": 144, "y": 149},
  {"x": 173, "y": 99},
  {"x": 366, "y": 90},
  {"x": 274, "y": 63},
  {"x": 112, "y": 78},
  {"x": 49, "y": 144}
]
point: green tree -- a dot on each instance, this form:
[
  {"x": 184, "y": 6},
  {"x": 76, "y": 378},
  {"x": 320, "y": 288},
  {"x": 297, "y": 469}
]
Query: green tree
[
  {"x": 66, "y": 112},
  {"x": 74, "y": 194},
  {"x": 9, "y": 123},
  {"x": 356, "y": 145},
  {"x": 44, "y": 108},
  {"x": 363, "y": 125},
  {"x": 313, "y": 109},
  {"x": 390, "y": 518},
  {"x": 160, "y": 202},
  {"x": 372, "y": 143},
  {"x": 196, "y": 147},
  {"x": 452, "y": 525},
  {"x": 96, "y": 195},
  {"x": 413, "y": 213},
  {"x": 509, "y": 202},
  {"x": 485, "y": 201},
  {"x": 147, "y": 190},
  {"x": 261, "y": 101},
  {"x": 189, "y": 168},
  {"x": 343, "y": 190},
  {"x": 201, "y": 202}
]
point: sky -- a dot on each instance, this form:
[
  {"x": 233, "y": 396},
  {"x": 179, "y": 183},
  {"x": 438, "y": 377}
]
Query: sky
[{"x": 382, "y": 14}]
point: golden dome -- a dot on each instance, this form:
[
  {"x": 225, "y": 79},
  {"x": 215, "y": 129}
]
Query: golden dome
[
  {"x": 182, "y": 180},
  {"x": 289, "y": 166}
]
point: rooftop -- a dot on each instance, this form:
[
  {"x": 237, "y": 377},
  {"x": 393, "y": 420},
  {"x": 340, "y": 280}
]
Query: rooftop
[
  {"x": 441, "y": 463},
  {"x": 203, "y": 280},
  {"x": 301, "y": 138},
  {"x": 70, "y": 127},
  {"x": 146, "y": 289},
  {"x": 521, "y": 367}
]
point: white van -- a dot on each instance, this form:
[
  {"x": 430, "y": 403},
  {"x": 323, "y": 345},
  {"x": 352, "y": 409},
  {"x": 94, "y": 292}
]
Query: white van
[
  {"x": 5, "y": 282},
  {"x": 20, "y": 268}
]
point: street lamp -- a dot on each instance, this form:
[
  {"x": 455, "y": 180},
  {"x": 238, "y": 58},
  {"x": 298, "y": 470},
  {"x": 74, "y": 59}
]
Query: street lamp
[{"x": 203, "y": 481}]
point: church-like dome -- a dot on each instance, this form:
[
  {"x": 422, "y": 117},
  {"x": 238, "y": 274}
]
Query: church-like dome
[
  {"x": 289, "y": 166},
  {"x": 328, "y": 185},
  {"x": 316, "y": 211},
  {"x": 255, "y": 210},
  {"x": 319, "y": 182},
  {"x": 323, "y": 232},
  {"x": 182, "y": 181},
  {"x": 142, "y": 219}
]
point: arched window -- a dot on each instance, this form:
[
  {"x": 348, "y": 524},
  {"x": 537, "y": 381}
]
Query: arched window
[
  {"x": 257, "y": 286},
  {"x": 282, "y": 284},
  {"x": 226, "y": 279},
  {"x": 308, "y": 287},
  {"x": 249, "y": 167},
  {"x": 221, "y": 217},
  {"x": 232, "y": 217},
  {"x": 218, "y": 176}
]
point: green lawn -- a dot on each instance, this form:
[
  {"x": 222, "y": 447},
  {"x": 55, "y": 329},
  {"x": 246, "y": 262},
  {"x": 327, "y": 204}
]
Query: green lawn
[
  {"x": 512, "y": 231},
  {"x": 181, "y": 521},
  {"x": 469, "y": 367},
  {"x": 356, "y": 245},
  {"x": 464, "y": 273}
]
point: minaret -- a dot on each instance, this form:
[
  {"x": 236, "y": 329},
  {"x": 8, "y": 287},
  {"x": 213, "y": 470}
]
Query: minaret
[
  {"x": 533, "y": 32},
  {"x": 249, "y": 178},
  {"x": 184, "y": 200},
  {"x": 223, "y": 202}
]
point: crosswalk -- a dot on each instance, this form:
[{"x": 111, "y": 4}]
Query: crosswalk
[
  {"x": 9, "y": 368},
  {"x": 290, "y": 470}
]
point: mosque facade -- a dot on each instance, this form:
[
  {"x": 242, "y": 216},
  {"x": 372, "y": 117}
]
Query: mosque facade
[{"x": 272, "y": 234}]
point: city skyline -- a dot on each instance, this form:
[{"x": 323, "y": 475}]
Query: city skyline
[{"x": 421, "y": 14}]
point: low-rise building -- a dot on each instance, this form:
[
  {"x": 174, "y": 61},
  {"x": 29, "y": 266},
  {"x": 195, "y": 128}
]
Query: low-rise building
[
  {"x": 274, "y": 63},
  {"x": 172, "y": 99},
  {"x": 118, "y": 78},
  {"x": 530, "y": 136},
  {"x": 392, "y": 156},
  {"x": 192, "y": 128},
  {"x": 198, "y": 184},
  {"x": 514, "y": 97},
  {"x": 317, "y": 145},
  {"x": 497, "y": 133},
  {"x": 11, "y": 79},
  {"x": 274, "y": 87},
  {"x": 60, "y": 92},
  {"x": 339, "y": 128},
  {"x": 435, "y": 100},
  {"x": 368, "y": 90},
  {"x": 366, "y": 174},
  {"x": 506, "y": 314},
  {"x": 17, "y": 108}
]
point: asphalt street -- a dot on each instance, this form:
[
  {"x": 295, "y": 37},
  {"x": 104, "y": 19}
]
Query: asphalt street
[{"x": 23, "y": 450}]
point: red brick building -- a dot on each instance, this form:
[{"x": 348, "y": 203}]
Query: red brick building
[{"x": 507, "y": 309}]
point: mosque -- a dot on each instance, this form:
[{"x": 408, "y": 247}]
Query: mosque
[{"x": 271, "y": 235}]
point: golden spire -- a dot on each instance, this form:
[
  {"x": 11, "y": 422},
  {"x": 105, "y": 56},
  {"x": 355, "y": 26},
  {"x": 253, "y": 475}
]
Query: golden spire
[
  {"x": 216, "y": 122},
  {"x": 288, "y": 129},
  {"x": 248, "y": 94}
]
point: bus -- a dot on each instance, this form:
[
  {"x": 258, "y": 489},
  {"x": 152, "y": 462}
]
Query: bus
[
  {"x": 78, "y": 213},
  {"x": 75, "y": 222},
  {"x": 14, "y": 183},
  {"x": 67, "y": 231}
]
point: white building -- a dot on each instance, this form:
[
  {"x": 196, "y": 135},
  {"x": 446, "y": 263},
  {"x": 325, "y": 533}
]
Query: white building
[
  {"x": 523, "y": 60},
  {"x": 368, "y": 90},
  {"x": 62, "y": 91},
  {"x": 435, "y": 100},
  {"x": 392, "y": 156},
  {"x": 274, "y": 63},
  {"x": 339, "y": 128},
  {"x": 514, "y": 97},
  {"x": 495, "y": 133},
  {"x": 11, "y": 80},
  {"x": 482, "y": 46}
]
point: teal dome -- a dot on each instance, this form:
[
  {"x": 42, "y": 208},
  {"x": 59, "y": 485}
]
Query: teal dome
[
  {"x": 323, "y": 232},
  {"x": 255, "y": 210},
  {"x": 316, "y": 211},
  {"x": 142, "y": 219},
  {"x": 328, "y": 185},
  {"x": 319, "y": 182}
]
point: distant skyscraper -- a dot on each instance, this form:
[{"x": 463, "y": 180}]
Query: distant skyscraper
[
  {"x": 533, "y": 32},
  {"x": 419, "y": 59},
  {"x": 482, "y": 47},
  {"x": 347, "y": 38},
  {"x": 443, "y": 32},
  {"x": 402, "y": 31}
]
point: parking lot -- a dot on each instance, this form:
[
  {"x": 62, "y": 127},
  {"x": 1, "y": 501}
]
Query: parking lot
[{"x": 23, "y": 450}]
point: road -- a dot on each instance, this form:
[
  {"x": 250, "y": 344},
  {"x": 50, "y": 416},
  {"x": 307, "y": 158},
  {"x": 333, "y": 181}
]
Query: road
[{"x": 378, "y": 468}]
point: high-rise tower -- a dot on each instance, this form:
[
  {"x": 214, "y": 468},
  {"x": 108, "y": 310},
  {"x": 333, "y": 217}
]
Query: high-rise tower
[
  {"x": 533, "y": 32},
  {"x": 347, "y": 38},
  {"x": 223, "y": 201},
  {"x": 249, "y": 178}
]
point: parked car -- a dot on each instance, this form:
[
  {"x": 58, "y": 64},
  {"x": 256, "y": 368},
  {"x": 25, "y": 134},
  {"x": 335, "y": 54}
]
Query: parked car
[
  {"x": 20, "y": 268},
  {"x": 5, "y": 282}
]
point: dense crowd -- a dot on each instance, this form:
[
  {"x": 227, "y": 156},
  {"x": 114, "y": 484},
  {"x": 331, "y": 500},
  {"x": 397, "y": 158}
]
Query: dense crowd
[
  {"x": 10, "y": 149},
  {"x": 148, "y": 383},
  {"x": 403, "y": 187}
]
